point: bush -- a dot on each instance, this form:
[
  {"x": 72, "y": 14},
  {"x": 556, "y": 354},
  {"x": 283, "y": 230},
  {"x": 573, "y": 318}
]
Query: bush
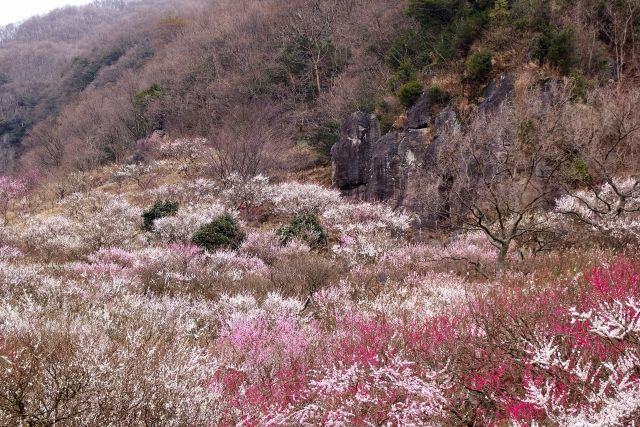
[
  {"x": 160, "y": 209},
  {"x": 221, "y": 233},
  {"x": 153, "y": 92},
  {"x": 466, "y": 31},
  {"x": 408, "y": 50},
  {"x": 540, "y": 48},
  {"x": 324, "y": 137},
  {"x": 556, "y": 47},
  {"x": 451, "y": 26},
  {"x": 409, "y": 93},
  {"x": 305, "y": 227},
  {"x": 561, "y": 48},
  {"x": 434, "y": 14},
  {"x": 579, "y": 85},
  {"x": 580, "y": 172},
  {"x": 437, "y": 95},
  {"x": 478, "y": 66}
]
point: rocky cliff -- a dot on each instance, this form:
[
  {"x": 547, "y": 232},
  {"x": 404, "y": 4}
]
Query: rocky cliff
[{"x": 400, "y": 166}]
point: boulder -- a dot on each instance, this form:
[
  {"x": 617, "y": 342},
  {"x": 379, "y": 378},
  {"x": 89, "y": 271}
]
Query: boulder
[{"x": 391, "y": 168}]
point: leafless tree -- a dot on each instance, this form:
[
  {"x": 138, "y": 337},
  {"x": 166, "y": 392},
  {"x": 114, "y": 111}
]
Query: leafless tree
[
  {"x": 250, "y": 140},
  {"x": 500, "y": 172},
  {"x": 49, "y": 143},
  {"x": 604, "y": 136},
  {"x": 619, "y": 24},
  {"x": 311, "y": 27}
]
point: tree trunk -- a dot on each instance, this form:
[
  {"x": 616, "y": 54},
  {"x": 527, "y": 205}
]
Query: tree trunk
[
  {"x": 502, "y": 256},
  {"x": 317, "y": 72}
]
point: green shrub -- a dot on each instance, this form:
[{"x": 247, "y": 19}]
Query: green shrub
[
  {"x": 153, "y": 92},
  {"x": 324, "y": 137},
  {"x": 409, "y": 93},
  {"x": 478, "y": 66},
  {"x": 305, "y": 227},
  {"x": 434, "y": 14},
  {"x": 579, "y": 85},
  {"x": 540, "y": 47},
  {"x": 580, "y": 171},
  {"x": 408, "y": 49},
  {"x": 405, "y": 72},
  {"x": 145, "y": 117},
  {"x": 465, "y": 31},
  {"x": 450, "y": 26},
  {"x": 221, "y": 233},
  {"x": 555, "y": 47},
  {"x": 85, "y": 70},
  {"x": 437, "y": 95},
  {"x": 561, "y": 50},
  {"x": 387, "y": 114},
  {"x": 160, "y": 209}
]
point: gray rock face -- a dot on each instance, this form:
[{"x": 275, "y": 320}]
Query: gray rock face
[
  {"x": 386, "y": 169},
  {"x": 403, "y": 167},
  {"x": 385, "y": 164},
  {"x": 497, "y": 92},
  {"x": 396, "y": 159},
  {"x": 397, "y": 168},
  {"x": 419, "y": 115},
  {"x": 351, "y": 155}
]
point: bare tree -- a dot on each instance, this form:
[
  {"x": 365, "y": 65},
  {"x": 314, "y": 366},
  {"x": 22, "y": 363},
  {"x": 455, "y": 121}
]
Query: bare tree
[
  {"x": 49, "y": 145},
  {"x": 250, "y": 141},
  {"x": 603, "y": 184},
  {"x": 310, "y": 32},
  {"x": 499, "y": 173},
  {"x": 618, "y": 24}
]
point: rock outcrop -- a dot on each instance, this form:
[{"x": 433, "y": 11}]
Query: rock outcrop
[
  {"x": 497, "y": 92},
  {"x": 402, "y": 167},
  {"x": 394, "y": 167},
  {"x": 419, "y": 115},
  {"x": 351, "y": 155}
]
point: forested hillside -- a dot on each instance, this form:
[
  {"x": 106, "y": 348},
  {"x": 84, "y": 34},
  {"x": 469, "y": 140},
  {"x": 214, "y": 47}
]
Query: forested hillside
[
  {"x": 321, "y": 213},
  {"x": 81, "y": 86}
]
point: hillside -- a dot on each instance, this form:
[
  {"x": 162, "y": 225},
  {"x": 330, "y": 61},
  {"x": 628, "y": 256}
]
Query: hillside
[
  {"x": 101, "y": 77},
  {"x": 321, "y": 212}
]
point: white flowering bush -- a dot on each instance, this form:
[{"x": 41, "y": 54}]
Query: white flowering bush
[
  {"x": 140, "y": 173},
  {"x": 131, "y": 360},
  {"x": 247, "y": 193},
  {"x": 424, "y": 296},
  {"x": 116, "y": 223},
  {"x": 296, "y": 198},
  {"x": 393, "y": 391},
  {"x": 366, "y": 231},
  {"x": 184, "y": 155},
  {"x": 182, "y": 226},
  {"x": 104, "y": 219},
  {"x": 54, "y": 236},
  {"x": 606, "y": 393}
]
